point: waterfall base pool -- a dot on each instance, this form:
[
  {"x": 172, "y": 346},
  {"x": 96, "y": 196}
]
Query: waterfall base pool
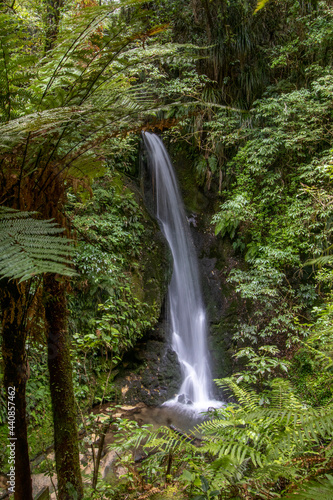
[
  {"x": 193, "y": 408},
  {"x": 179, "y": 416}
]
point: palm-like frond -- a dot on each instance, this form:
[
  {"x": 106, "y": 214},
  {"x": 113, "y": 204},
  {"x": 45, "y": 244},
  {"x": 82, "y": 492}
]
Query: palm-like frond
[
  {"x": 83, "y": 91},
  {"x": 169, "y": 440},
  {"x": 320, "y": 261},
  {"x": 164, "y": 439},
  {"x": 29, "y": 246},
  {"x": 267, "y": 436}
]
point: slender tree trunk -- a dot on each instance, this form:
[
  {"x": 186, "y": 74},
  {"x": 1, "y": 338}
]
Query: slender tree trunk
[
  {"x": 13, "y": 306},
  {"x": 53, "y": 12},
  {"x": 62, "y": 394},
  {"x": 105, "y": 428}
]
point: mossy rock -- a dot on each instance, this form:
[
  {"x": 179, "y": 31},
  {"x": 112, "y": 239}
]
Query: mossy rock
[
  {"x": 194, "y": 196},
  {"x": 150, "y": 280},
  {"x": 152, "y": 374},
  {"x": 156, "y": 270}
]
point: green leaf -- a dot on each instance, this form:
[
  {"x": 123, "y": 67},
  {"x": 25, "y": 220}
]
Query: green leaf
[
  {"x": 187, "y": 476},
  {"x": 260, "y": 5},
  {"x": 205, "y": 484}
]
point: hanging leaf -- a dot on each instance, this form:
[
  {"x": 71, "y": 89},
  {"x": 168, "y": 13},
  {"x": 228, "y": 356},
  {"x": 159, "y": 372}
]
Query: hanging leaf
[{"x": 260, "y": 5}]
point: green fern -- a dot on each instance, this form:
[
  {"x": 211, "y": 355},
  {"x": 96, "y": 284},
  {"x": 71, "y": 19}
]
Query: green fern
[
  {"x": 29, "y": 246},
  {"x": 254, "y": 443},
  {"x": 164, "y": 439},
  {"x": 83, "y": 91},
  {"x": 169, "y": 440},
  {"x": 315, "y": 490},
  {"x": 266, "y": 436}
]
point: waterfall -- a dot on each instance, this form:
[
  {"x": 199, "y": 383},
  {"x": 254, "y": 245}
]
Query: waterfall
[{"x": 186, "y": 308}]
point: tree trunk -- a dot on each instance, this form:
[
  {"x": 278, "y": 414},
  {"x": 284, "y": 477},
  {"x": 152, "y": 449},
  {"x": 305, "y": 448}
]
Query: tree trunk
[
  {"x": 53, "y": 12},
  {"x": 62, "y": 394},
  {"x": 13, "y": 306}
]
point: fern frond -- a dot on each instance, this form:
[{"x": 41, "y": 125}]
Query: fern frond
[
  {"x": 85, "y": 87},
  {"x": 29, "y": 246},
  {"x": 322, "y": 489},
  {"x": 265, "y": 436},
  {"x": 166, "y": 439},
  {"x": 248, "y": 398},
  {"x": 320, "y": 261}
]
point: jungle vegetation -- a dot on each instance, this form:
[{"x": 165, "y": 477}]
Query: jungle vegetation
[{"x": 245, "y": 89}]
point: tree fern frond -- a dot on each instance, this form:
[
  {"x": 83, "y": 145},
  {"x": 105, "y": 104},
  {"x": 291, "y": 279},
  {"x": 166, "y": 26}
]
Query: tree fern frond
[
  {"x": 29, "y": 246},
  {"x": 320, "y": 261},
  {"x": 167, "y": 439},
  {"x": 322, "y": 489},
  {"x": 249, "y": 399}
]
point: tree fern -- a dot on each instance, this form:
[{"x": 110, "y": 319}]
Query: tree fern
[
  {"x": 82, "y": 91},
  {"x": 77, "y": 96},
  {"x": 29, "y": 246}
]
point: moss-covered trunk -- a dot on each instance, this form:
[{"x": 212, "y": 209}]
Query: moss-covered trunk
[
  {"x": 63, "y": 403},
  {"x": 13, "y": 308}
]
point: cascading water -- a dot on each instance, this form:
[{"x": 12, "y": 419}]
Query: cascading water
[{"x": 187, "y": 312}]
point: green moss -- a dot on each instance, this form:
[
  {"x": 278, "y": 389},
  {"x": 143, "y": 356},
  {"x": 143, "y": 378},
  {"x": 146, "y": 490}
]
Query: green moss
[
  {"x": 221, "y": 349},
  {"x": 155, "y": 271},
  {"x": 193, "y": 194},
  {"x": 121, "y": 265}
]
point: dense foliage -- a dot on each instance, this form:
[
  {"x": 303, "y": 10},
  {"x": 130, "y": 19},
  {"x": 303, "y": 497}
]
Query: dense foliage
[
  {"x": 244, "y": 89},
  {"x": 108, "y": 304},
  {"x": 270, "y": 162}
]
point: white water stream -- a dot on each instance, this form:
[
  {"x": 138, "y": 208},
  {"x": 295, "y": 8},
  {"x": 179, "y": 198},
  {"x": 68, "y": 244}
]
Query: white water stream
[{"x": 187, "y": 311}]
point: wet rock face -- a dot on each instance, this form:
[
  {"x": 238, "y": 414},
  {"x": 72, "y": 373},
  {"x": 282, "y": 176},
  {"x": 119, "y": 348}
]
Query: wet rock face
[
  {"x": 184, "y": 399},
  {"x": 151, "y": 372}
]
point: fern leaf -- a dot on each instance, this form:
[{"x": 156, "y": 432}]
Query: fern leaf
[
  {"x": 29, "y": 246},
  {"x": 319, "y": 490}
]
